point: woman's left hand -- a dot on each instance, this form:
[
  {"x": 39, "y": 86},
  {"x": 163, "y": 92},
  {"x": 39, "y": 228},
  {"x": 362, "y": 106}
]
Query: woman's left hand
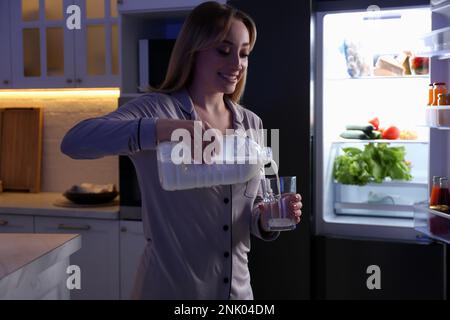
[
  {"x": 295, "y": 206},
  {"x": 295, "y": 212}
]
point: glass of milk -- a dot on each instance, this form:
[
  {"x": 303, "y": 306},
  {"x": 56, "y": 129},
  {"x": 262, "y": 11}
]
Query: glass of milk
[{"x": 276, "y": 197}]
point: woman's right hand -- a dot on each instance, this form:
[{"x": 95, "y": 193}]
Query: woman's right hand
[{"x": 165, "y": 128}]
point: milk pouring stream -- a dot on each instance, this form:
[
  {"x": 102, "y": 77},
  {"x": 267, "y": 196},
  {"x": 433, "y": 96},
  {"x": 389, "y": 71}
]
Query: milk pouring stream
[{"x": 239, "y": 160}]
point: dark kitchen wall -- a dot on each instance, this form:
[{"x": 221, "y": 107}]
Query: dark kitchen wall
[{"x": 278, "y": 91}]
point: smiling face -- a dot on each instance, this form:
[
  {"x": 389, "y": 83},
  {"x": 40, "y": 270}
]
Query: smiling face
[{"x": 220, "y": 68}]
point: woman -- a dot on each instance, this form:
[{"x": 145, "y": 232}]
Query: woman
[{"x": 198, "y": 239}]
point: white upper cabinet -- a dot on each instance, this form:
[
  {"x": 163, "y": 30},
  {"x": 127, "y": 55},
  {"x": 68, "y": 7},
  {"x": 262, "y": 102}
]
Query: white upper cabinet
[
  {"x": 97, "y": 45},
  {"x": 64, "y": 43}
]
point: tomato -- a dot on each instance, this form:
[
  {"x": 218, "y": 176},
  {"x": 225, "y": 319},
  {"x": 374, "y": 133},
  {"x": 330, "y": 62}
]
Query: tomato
[
  {"x": 375, "y": 122},
  {"x": 391, "y": 133}
]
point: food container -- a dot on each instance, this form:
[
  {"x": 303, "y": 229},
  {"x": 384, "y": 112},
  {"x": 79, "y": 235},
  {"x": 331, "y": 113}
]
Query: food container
[
  {"x": 438, "y": 88},
  {"x": 419, "y": 65},
  {"x": 442, "y": 99},
  {"x": 430, "y": 94}
]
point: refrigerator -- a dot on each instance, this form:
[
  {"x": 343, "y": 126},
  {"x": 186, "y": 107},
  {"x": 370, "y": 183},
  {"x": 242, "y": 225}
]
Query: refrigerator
[{"x": 372, "y": 237}]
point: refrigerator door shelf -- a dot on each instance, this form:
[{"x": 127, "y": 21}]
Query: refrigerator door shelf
[
  {"x": 374, "y": 210},
  {"x": 439, "y": 4},
  {"x": 438, "y": 117},
  {"x": 436, "y": 44},
  {"x": 434, "y": 224}
]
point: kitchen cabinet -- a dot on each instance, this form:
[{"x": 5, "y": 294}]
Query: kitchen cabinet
[
  {"x": 5, "y": 48},
  {"x": 49, "y": 54},
  {"x": 97, "y": 44},
  {"x": 16, "y": 224},
  {"x": 98, "y": 257},
  {"x": 132, "y": 244},
  {"x": 157, "y": 5}
]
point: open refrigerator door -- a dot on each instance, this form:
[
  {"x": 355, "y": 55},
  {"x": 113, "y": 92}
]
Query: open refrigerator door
[{"x": 429, "y": 219}]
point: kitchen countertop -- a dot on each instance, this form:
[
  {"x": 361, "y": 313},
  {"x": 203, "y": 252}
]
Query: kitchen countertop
[
  {"x": 20, "y": 249},
  {"x": 43, "y": 204},
  {"x": 27, "y": 260}
]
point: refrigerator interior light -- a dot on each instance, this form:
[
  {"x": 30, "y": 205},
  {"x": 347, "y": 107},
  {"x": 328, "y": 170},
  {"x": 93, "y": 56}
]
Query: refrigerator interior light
[{"x": 383, "y": 17}]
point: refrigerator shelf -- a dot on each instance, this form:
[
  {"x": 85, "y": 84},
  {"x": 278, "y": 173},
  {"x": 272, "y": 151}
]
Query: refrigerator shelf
[
  {"x": 420, "y": 182},
  {"x": 398, "y": 141},
  {"x": 436, "y": 44},
  {"x": 374, "y": 78},
  {"x": 434, "y": 224},
  {"x": 376, "y": 207},
  {"x": 374, "y": 210}
]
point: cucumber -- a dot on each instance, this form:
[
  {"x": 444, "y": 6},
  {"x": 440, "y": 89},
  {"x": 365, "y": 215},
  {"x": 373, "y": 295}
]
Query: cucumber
[
  {"x": 375, "y": 135},
  {"x": 354, "y": 134},
  {"x": 366, "y": 128}
]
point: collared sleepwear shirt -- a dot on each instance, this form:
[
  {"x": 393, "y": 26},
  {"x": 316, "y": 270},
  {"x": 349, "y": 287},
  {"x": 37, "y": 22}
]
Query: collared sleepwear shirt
[{"x": 197, "y": 239}]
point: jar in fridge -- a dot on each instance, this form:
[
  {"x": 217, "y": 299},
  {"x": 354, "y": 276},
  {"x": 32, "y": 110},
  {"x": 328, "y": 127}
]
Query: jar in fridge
[
  {"x": 442, "y": 99},
  {"x": 430, "y": 94},
  {"x": 444, "y": 195},
  {"x": 434, "y": 197},
  {"x": 438, "y": 88},
  {"x": 446, "y": 99},
  {"x": 438, "y": 225}
]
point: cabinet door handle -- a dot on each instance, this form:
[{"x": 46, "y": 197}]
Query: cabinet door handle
[
  {"x": 63, "y": 226},
  {"x": 3, "y": 223},
  {"x": 69, "y": 80},
  {"x": 79, "y": 80},
  {"x": 119, "y": 1},
  {"x": 5, "y": 81},
  {"x": 123, "y": 229}
]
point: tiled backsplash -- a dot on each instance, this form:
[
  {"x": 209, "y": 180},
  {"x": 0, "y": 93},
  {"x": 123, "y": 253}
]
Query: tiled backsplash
[{"x": 60, "y": 113}]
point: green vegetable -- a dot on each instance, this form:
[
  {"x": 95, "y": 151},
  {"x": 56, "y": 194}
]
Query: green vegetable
[
  {"x": 354, "y": 134},
  {"x": 367, "y": 128},
  {"x": 373, "y": 164},
  {"x": 375, "y": 135}
]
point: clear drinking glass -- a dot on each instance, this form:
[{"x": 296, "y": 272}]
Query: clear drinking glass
[{"x": 276, "y": 198}]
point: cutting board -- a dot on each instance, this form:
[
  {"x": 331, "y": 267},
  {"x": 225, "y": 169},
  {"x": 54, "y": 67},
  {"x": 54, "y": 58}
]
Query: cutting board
[{"x": 21, "y": 148}]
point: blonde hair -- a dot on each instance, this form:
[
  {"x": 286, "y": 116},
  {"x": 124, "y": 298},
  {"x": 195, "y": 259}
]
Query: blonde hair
[{"x": 205, "y": 27}]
